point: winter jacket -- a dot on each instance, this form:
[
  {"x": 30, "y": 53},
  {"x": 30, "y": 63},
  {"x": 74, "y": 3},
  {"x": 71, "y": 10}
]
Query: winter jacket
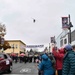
[
  {"x": 69, "y": 63},
  {"x": 59, "y": 58},
  {"x": 46, "y": 65}
]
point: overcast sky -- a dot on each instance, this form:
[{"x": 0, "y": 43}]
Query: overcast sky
[{"x": 18, "y": 17}]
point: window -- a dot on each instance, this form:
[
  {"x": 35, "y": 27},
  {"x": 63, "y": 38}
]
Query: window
[
  {"x": 12, "y": 46},
  {"x": 16, "y": 46},
  {"x": 61, "y": 42},
  {"x": 65, "y": 41}
]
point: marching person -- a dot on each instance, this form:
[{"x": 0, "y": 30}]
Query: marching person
[{"x": 25, "y": 59}]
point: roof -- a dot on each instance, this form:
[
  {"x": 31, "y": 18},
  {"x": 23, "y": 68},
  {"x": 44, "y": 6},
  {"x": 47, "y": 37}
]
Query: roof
[{"x": 16, "y": 41}]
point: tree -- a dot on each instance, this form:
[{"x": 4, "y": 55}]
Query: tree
[{"x": 5, "y": 45}]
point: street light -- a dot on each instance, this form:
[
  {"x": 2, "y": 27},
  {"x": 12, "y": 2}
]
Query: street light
[
  {"x": 13, "y": 47},
  {"x": 70, "y": 25},
  {"x": 49, "y": 47}
]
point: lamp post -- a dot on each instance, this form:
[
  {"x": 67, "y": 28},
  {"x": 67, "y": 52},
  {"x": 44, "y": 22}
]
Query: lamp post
[
  {"x": 70, "y": 25},
  {"x": 49, "y": 47},
  {"x": 13, "y": 48}
]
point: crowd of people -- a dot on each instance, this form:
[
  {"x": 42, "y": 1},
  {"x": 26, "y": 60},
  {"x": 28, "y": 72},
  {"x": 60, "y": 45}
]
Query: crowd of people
[
  {"x": 58, "y": 62},
  {"x": 23, "y": 57},
  {"x": 64, "y": 63}
]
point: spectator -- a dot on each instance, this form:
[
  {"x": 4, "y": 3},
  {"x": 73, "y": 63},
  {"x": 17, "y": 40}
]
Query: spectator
[
  {"x": 46, "y": 65},
  {"x": 59, "y": 55},
  {"x": 69, "y": 61}
]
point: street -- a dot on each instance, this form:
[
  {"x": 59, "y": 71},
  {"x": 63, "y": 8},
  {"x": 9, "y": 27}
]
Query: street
[{"x": 22, "y": 68}]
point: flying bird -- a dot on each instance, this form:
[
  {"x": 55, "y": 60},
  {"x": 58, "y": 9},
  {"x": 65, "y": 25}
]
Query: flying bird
[{"x": 34, "y": 20}]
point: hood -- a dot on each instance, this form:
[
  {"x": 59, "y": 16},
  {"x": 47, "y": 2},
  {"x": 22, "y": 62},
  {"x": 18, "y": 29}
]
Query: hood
[
  {"x": 44, "y": 57},
  {"x": 68, "y": 47},
  {"x": 62, "y": 50}
]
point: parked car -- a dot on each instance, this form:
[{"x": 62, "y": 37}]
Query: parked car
[{"x": 5, "y": 63}]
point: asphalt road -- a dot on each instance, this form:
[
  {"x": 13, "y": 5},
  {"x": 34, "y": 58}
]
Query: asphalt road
[{"x": 24, "y": 69}]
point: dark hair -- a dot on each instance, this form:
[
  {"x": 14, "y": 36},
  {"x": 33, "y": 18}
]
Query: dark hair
[
  {"x": 73, "y": 46},
  {"x": 64, "y": 48}
]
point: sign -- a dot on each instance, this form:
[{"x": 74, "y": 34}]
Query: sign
[
  {"x": 34, "y": 46},
  {"x": 53, "y": 40},
  {"x": 2, "y": 41},
  {"x": 28, "y": 70},
  {"x": 65, "y": 22}
]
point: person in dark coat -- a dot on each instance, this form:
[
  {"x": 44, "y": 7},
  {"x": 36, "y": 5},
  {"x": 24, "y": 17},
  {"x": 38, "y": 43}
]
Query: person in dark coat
[
  {"x": 46, "y": 65},
  {"x": 25, "y": 58},
  {"x": 69, "y": 61},
  {"x": 16, "y": 58}
]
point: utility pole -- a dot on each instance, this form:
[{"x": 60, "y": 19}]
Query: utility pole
[
  {"x": 13, "y": 48},
  {"x": 70, "y": 25},
  {"x": 49, "y": 47}
]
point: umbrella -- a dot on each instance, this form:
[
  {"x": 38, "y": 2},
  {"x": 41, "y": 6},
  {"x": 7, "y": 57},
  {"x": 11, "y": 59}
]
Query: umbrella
[
  {"x": 13, "y": 54},
  {"x": 22, "y": 54}
]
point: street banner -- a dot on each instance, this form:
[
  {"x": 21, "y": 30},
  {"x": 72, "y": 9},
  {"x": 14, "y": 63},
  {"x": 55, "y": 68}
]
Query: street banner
[
  {"x": 65, "y": 22},
  {"x": 34, "y": 46},
  {"x": 53, "y": 40}
]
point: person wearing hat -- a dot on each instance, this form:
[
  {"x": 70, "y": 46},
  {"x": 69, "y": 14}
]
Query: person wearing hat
[{"x": 69, "y": 61}]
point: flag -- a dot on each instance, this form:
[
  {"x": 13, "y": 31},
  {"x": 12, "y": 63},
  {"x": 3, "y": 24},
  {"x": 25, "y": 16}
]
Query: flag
[
  {"x": 65, "y": 22},
  {"x": 34, "y": 46},
  {"x": 53, "y": 40}
]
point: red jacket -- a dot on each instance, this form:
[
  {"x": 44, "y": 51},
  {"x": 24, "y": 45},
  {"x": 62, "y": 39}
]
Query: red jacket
[{"x": 59, "y": 58}]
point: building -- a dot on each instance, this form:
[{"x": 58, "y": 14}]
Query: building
[
  {"x": 64, "y": 39},
  {"x": 72, "y": 37},
  {"x": 17, "y": 46}
]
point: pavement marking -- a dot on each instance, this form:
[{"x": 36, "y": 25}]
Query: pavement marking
[{"x": 25, "y": 70}]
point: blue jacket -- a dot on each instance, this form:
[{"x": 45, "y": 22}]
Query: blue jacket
[{"x": 46, "y": 65}]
